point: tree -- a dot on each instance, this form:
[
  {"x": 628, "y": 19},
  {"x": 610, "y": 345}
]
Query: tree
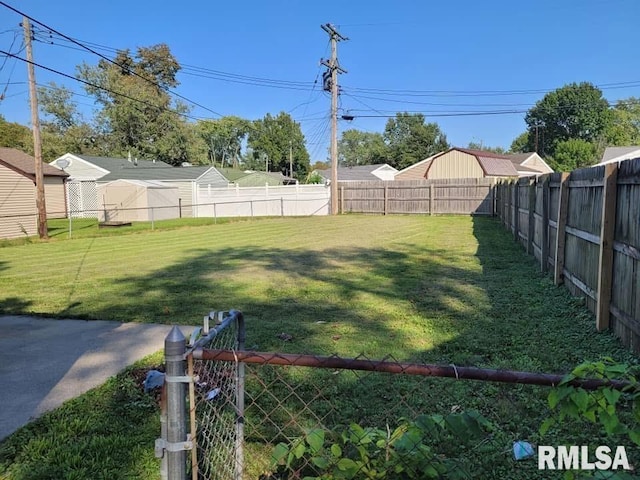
[
  {"x": 14, "y": 135},
  {"x": 480, "y": 146},
  {"x": 521, "y": 144},
  {"x": 224, "y": 138},
  {"x": 138, "y": 115},
  {"x": 277, "y": 138},
  {"x": 575, "y": 111},
  {"x": 63, "y": 128},
  {"x": 361, "y": 148},
  {"x": 573, "y": 153},
  {"x": 625, "y": 125},
  {"x": 410, "y": 140}
]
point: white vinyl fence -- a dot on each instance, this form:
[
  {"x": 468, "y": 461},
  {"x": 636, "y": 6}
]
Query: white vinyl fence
[{"x": 288, "y": 200}]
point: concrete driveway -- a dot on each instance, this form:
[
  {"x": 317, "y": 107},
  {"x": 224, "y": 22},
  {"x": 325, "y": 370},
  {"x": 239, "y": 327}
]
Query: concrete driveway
[{"x": 45, "y": 362}]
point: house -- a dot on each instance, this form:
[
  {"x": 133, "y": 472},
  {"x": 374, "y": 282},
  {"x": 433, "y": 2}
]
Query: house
[
  {"x": 84, "y": 170},
  {"x": 186, "y": 179},
  {"x": 618, "y": 154},
  {"x": 465, "y": 163},
  {"x": 415, "y": 171},
  {"x": 87, "y": 171},
  {"x": 18, "y": 212},
  {"x": 529, "y": 163},
  {"x": 86, "y": 167},
  {"x": 361, "y": 173},
  {"x": 255, "y": 178},
  {"x": 137, "y": 201}
]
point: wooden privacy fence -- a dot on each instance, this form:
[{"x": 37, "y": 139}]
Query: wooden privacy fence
[
  {"x": 447, "y": 196},
  {"x": 584, "y": 227}
]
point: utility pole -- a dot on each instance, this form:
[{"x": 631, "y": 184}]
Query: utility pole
[
  {"x": 37, "y": 143},
  {"x": 290, "y": 159},
  {"x": 333, "y": 69}
]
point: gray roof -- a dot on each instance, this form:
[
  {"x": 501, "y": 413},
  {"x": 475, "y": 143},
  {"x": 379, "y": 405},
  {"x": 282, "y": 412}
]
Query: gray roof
[
  {"x": 615, "y": 152},
  {"x": 111, "y": 164},
  {"x": 26, "y": 164},
  {"x": 519, "y": 158},
  {"x": 353, "y": 174},
  {"x": 170, "y": 173}
]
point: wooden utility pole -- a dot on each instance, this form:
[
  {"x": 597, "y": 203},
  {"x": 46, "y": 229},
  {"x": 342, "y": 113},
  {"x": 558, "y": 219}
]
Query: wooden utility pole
[
  {"x": 334, "y": 69},
  {"x": 290, "y": 159},
  {"x": 37, "y": 143}
]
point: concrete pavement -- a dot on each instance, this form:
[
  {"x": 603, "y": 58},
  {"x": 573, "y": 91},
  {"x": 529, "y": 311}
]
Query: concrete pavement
[{"x": 44, "y": 362}]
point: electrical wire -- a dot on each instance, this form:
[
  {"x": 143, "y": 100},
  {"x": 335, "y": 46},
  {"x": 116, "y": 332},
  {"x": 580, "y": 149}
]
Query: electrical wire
[
  {"x": 89, "y": 49},
  {"x": 85, "y": 82}
]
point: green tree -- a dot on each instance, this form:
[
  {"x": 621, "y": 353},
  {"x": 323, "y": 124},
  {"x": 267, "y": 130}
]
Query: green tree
[
  {"x": 14, "y": 135},
  {"x": 63, "y": 128},
  {"x": 138, "y": 115},
  {"x": 480, "y": 146},
  {"x": 521, "y": 144},
  {"x": 224, "y": 138},
  {"x": 575, "y": 111},
  {"x": 573, "y": 153},
  {"x": 625, "y": 125},
  {"x": 411, "y": 140},
  {"x": 278, "y": 137},
  {"x": 361, "y": 148}
]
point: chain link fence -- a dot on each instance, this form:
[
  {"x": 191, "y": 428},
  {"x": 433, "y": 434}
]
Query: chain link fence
[{"x": 275, "y": 416}]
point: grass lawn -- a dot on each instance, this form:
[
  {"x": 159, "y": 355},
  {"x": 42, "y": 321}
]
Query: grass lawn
[{"x": 429, "y": 289}]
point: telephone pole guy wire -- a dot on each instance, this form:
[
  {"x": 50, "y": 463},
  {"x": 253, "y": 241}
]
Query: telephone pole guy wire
[{"x": 331, "y": 77}]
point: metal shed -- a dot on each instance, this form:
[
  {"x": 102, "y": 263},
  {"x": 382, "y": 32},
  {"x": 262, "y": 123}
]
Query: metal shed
[{"x": 137, "y": 201}]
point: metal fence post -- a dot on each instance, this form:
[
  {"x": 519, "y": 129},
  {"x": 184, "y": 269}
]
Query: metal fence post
[
  {"x": 240, "y": 400},
  {"x": 174, "y": 349}
]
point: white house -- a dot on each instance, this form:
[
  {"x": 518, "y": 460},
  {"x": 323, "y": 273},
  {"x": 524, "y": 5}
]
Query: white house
[
  {"x": 87, "y": 172},
  {"x": 618, "y": 154},
  {"x": 359, "y": 173}
]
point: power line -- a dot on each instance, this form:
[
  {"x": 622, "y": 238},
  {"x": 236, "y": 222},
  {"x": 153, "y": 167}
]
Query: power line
[
  {"x": 454, "y": 114},
  {"x": 71, "y": 77},
  {"x": 89, "y": 49},
  {"x": 203, "y": 72}
]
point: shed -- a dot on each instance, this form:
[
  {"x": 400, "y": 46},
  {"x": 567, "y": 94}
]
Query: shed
[
  {"x": 137, "y": 201},
  {"x": 465, "y": 163},
  {"x": 18, "y": 212}
]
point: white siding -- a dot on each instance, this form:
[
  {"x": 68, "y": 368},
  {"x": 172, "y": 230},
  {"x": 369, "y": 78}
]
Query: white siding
[
  {"x": 185, "y": 192},
  {"x": 17, "y": 205},
  {"x": 79, "y": 169},
  {"x": 537, "y": 163},
  {"x": 455, "y": 164}
]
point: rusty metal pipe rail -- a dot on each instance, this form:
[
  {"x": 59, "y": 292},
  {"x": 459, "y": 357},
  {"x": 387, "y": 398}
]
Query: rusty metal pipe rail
[{"x": 425, "y": 370}]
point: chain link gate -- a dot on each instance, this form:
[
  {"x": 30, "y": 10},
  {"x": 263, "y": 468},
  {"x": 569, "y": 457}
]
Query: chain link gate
[{"x": 274, "y": 416}]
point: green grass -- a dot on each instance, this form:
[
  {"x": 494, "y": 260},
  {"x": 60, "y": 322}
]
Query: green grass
[{"x": 428, "y": 289}]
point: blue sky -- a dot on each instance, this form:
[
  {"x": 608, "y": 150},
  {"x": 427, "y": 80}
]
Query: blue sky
[{"x": 441, "y": 58}]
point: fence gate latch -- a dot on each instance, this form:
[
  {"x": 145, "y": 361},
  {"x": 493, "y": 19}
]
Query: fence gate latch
[{"x": 163, "y": 445}]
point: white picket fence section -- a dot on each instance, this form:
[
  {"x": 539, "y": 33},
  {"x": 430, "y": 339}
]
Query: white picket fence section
[{"x": 287, "y": 200}]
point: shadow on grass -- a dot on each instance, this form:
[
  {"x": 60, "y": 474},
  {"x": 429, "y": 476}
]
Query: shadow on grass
[
  {"x": 414, "y": 302},
  {"x": 106, "y": 433}
]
